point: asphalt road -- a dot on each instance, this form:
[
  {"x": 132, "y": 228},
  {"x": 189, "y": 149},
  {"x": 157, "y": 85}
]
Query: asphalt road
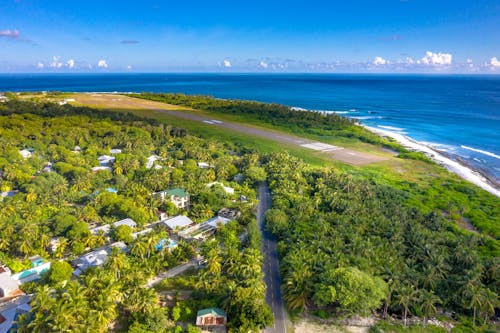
[{"x": 271, "y": 266}]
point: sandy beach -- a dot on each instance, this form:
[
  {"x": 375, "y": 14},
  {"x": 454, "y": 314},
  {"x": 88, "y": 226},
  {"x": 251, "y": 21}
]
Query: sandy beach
[{"x": 461, "y": 170}]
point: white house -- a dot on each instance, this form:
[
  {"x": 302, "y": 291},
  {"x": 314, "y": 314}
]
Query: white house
[
  {"x": 8, "y": 286},
  {"x": 142, "y": 232},
  {"x": 131, "y": 223},
  {"x": 151, "y": 160},
  {"x": 178, "y": 196},
  {"x": 178, "y": 222},
  {"x": 106, "y": 160},
  {"x": 26, "y": 153},
  {"x": 203, "y": 165},
  {"x": 96, "y": 258},
  {"x": 101, "y": 168},
  {"x": 115, "y": 151},
  {"x": 228, "y": 190}
]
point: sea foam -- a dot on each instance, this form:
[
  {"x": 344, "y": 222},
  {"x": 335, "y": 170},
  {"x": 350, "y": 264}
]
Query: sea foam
[{"x": 484, "y": 152}]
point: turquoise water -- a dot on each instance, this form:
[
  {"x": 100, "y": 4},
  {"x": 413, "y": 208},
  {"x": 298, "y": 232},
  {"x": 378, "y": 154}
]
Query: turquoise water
[{"x": 456, "y": 114}]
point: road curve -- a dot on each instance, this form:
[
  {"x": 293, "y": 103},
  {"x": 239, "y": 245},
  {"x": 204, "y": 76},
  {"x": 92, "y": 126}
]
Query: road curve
[{"x": 271, "y": 266}]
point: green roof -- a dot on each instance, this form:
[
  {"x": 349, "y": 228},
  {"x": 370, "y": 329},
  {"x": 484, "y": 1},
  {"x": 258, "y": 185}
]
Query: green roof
[
  {"x": 178, "y": 192},
  {"x": 215, "y": 311}
]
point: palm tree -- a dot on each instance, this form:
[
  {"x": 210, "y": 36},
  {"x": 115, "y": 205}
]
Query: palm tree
[
  {"x": 405, "y": 297},
  {"x": 428, "y": 306}
]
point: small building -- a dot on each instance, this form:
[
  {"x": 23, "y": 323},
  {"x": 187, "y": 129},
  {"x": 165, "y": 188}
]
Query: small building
[
  {"x": 106, "y": 160},
  {"x": 151, "y": 160},
  {"x": 178, "y": 223},
  {"x": 202, "y": 231},
  {"x": 101, "y": 168},
  {"x": 77, "y": 150},
  {"x": 48, "y": 167},
  {"x": 228, "y": 190},
  {"x": 8, "y": 194},
  {"x": 36, "y": 261},
  {"x": 10, "y": 311},
  {"x": 3, "y": 99},
  {"x": 142, "y": 232},
  {"x": 115, "y": 151},
  {"x": 228, "y": 213},
  {"x": 96, "y": 258},
  {"x": 104, "y": 229},
  {"x": 203, "y": 165},
  {"x": 128, "y": 222},
  {"x": 178, "y": 196},
  {"x": 211, "y": 320},
  {"x": 27, "y": 153},
  {"x": 8, "y": 286}
]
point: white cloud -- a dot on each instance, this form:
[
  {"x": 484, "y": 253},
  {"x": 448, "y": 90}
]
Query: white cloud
[
  {"x": 40, "y": 65},
  {"x": 432, "y": 58},
  {"x": 55, "y": 62},
  {"x": 409, "y": 60},
  {"x": 70, "y": 63},
  {"x": 380, "y": 61},
  {"x": 470, "y": 63},
  {"x": 263, "y": 64},
  {"x": 102, "y": 64},
  {"x": 129, "y": 67},
  {"x": 226, "y": 63},
  {"x": 495, "y": 62}
]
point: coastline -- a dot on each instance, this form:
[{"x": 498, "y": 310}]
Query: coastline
[{"x": 461, "y": 169}]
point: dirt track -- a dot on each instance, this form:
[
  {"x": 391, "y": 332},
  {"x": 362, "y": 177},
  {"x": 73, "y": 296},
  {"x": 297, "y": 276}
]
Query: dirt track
[{"x": 345, "y": 155}]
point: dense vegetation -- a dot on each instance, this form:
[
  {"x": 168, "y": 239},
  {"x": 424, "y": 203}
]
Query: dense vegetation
[
  {"x": 63, "y": 199},
  {"x": 348, "y": 246}
]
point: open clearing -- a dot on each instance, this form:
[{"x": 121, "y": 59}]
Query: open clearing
[{"x": 114, "y": 101}]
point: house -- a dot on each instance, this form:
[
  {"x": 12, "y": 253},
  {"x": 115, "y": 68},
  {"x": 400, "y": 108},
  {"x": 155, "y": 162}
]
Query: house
[
  {"x": 3, "y": 99},
  {"x": 54, "y": 244},
  {"x": 8, "y": 286},
  {"x": 96, "y": 258},
  {"x": 27, "y": 153},
  {"x": 34, "y": 273},
  {"x": 151, "y": 160},
  {"x": 211, "y": 320},
  {"x": 115, "y": 151},
  {"x": 66, "y": 101},
  {"x": 177, "y": 223},
  {"x": 10, "y": 311},
  {"x": 101, "y": 168},
  {"x": 228, "y": 190},
  {"x": 48, "y": 167},
  {"x": 77, "y": 150},
  {"x": 104, "y": 229},
  {"x": 228, "y": 213},
  {"x": 142, "y": 232},
  {"x": 203, "y": 230},
  {"x": 36, "y": 261},
  {"x": 203, "y": 165},
  {"x": 129, "y": 222},
  {"x": 8, "y": 194},
  {"x": 178, "y": 196},
  {"x": 106, "y": 160}
]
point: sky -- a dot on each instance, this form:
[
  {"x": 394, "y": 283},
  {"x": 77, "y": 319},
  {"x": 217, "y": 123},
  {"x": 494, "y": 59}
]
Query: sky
[{"x": 384, "y": 36}]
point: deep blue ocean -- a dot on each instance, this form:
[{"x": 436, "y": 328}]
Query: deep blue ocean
[{"x": 456, "y": 114}]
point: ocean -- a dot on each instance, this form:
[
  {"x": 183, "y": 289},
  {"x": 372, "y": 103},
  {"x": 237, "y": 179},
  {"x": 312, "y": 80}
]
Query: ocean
[{"x": 456, "y": 114}]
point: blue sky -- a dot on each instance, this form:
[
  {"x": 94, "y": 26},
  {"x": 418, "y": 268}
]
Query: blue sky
[{"x": 250, "y": 36}]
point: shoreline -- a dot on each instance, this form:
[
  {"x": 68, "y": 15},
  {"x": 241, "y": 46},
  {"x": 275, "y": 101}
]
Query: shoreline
[{"x": 463, "y": 170}]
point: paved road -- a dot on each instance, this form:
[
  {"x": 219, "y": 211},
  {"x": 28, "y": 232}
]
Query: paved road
[
  {"x": 172, "y": 272},
  {"x": 271, "y": 266}
]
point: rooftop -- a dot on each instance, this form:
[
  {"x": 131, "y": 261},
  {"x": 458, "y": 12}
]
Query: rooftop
[
  {"x": 178, "y": 222},
  {"x": 178, "y": 192},
  {"x": 211, "y": 311}
]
